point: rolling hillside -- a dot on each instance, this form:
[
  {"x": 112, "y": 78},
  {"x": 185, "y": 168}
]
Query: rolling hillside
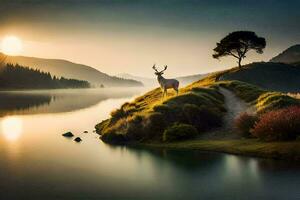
[
  {"x": 71, "y": 70},
  {"x": 290, "y": 55},
  {"x": 268, "y": 75},
  {"x": 204, "y": 104}
]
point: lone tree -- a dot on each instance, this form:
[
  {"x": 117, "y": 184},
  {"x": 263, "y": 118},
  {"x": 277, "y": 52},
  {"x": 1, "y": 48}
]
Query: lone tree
[{"x": 238, "y": 43}]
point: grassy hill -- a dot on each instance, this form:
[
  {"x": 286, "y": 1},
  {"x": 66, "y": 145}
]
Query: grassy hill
[
  {"x": 268, "y": 75},
  {"x": 149, "y": 115},
  {"x": 64, "y": 68},
  {"x": 195, "y": 105},
  {"x": 184, "y": 121},
  {"x": 290, "y": 55}
]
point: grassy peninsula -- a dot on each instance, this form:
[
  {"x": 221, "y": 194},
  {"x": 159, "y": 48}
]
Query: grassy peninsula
[{"x": 195, "y": 119}]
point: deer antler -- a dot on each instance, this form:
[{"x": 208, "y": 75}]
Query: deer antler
[
  {"x": 165, "y": 68},
  {"x": 154, "y": 68}
]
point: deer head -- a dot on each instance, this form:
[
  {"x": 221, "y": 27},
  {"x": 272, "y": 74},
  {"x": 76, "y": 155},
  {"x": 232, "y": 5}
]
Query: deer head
[{"x": 159, "y": 73}]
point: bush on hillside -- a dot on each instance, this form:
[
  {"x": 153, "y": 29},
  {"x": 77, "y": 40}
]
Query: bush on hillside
[
  {"x": 244, "y": 123},
  {"x": 179, "y": 132},
  {"x": 135, "y": 128},
  {"x": 113, "y": 137},
  {"x": 118, "y": 114},
  {"x": 201, "y": 117},
  {"x": 155, "y": 125},
  {"x": 169, "y": 113},
  {"x": 283, "y": 124}
]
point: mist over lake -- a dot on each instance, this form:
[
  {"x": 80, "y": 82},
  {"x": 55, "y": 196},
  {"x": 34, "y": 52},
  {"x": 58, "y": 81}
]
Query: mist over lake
[{"x": 149, "y": 99}]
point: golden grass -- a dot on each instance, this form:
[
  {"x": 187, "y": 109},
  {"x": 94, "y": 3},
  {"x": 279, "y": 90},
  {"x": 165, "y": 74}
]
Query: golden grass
[{"x": 200, "y": 93}]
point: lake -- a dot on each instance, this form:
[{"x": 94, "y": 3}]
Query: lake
[{"x": 38, "y": 163}]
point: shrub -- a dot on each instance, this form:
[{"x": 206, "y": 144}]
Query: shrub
[
  {"x": 179, "y": 132},
  {"x": 135, "y": 128},
  {"x": 168, "y": 112},
  {"x": 201, "y": 117},
  {"x": 283, "y": 124},
  {"x": 162, "y": 108},
  {"x": 244, "y": 123},
  {"x": 118, "y": 114},
  {"x": 113, "y": 137},
  {"x": 155, "y": 125}
]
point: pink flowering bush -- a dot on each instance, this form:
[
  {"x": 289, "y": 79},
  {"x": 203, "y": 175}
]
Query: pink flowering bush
[{"x": 282, "y": 124}]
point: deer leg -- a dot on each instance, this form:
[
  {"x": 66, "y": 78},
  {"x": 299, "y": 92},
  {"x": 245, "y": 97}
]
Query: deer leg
[{"x": 176, "y": 89}]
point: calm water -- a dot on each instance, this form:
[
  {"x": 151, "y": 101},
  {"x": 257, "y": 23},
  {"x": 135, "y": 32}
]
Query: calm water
[{"x": 38, "y": 163}]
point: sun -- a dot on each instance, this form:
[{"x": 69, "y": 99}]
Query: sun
[
  {"x": 11, "y": 128},
  {"x": 11, "y": 45}
]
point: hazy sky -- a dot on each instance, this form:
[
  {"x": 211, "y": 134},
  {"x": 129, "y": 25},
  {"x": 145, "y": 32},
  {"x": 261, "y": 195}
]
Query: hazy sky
[{"x": 117, "y": 36}]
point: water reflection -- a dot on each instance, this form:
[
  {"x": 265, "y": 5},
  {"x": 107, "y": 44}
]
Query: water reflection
[
  {"x": 11, "y": 128},
  {"x": 41, "y": 164},
  {"x": 55, "y": 101},
  {"x": 14, "y": 102}
]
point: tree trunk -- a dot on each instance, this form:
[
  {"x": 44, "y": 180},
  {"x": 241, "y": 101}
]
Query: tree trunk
[{"x": 240, "y": 63}]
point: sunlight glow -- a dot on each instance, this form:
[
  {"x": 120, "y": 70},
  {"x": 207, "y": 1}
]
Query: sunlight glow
[
  {"x": 11, "y": 45},
  {"x": 11, "y": 128}
]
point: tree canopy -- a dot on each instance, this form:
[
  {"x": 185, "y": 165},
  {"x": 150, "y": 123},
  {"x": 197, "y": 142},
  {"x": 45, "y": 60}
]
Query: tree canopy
[{"x": 238, "y": 43}]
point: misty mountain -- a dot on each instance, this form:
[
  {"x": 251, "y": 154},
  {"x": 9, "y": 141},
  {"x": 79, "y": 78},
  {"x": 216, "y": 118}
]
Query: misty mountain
[
  {"x": 184, "y": 80},
  {"x": 268, "y": 75},
  {"x": 289, "y": 56},
  {"x": 67, "y": 69}
]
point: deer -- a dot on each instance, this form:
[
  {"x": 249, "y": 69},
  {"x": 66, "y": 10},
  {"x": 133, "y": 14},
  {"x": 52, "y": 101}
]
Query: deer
[{"x": 164, "y": 83}]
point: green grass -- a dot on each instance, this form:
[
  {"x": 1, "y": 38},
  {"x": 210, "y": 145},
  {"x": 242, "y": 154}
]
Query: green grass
[
  {"x": 248, "y": 147},
  {"x": 262, "y": 100}
]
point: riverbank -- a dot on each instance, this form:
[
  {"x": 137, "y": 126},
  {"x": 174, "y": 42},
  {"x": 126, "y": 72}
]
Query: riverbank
[{"x": 289, "y": 150}]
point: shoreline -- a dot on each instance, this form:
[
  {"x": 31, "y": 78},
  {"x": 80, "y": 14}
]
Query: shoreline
[{"x": 289, "y": 150}]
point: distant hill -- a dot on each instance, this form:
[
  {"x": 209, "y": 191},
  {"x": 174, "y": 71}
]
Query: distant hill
[
  {"x": 289, "y": 56},
  {"x": 268, "y": 75},
  {"x": 184, "y": 80},
  {"x": 67, "y": 69},
  {"x": 146, "y": 81},
  {"x": 20, "y": 77}
]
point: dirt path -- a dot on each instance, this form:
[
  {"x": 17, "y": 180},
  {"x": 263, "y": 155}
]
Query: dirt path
[{"x": 234, "y": 106}]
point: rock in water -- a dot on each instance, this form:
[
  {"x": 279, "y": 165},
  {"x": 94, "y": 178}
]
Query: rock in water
[
  {"x": 78, "y": 139},
  {"x": 68, "y": 134}
]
